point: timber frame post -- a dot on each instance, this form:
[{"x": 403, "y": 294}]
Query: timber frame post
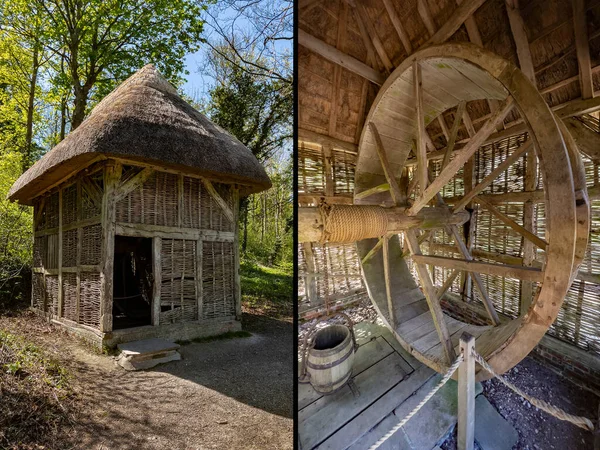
[
  {"x": 466, "y": 394},
  {"x": 236, "y": 254},
  {"x": 112, "y": 177}
]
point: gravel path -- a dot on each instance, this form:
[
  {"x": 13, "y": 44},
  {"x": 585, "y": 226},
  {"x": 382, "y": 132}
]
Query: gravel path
[{"x": 229, "y": 394}]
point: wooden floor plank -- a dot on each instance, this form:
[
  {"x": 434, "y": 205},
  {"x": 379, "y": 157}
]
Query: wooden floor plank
[
  {"x": 366, "y": 355},
  {"x": 322, "y": 418},
  {"x": 362, "y": 423}
]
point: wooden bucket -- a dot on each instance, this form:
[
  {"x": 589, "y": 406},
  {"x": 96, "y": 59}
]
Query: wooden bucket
[{"x": 330, "y": 359}]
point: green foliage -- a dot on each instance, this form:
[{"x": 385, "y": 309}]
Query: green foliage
[
  {"x": 267, "y": 290},
  {"x": 15, "y": 236}
]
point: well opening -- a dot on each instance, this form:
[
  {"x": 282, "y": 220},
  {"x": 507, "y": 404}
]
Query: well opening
[
  {"x": 330, "y": 337},
  {"x": 133, "y": 279}
]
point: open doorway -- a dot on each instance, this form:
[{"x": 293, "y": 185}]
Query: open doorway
[{"x": 132, "y": 282}]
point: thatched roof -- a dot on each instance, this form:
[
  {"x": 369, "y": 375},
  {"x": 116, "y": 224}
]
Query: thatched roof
[{"x": 144, "y": 119}]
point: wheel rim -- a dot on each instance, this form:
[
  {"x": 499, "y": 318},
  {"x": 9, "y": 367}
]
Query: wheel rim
[{"x": 451, "y": 74}]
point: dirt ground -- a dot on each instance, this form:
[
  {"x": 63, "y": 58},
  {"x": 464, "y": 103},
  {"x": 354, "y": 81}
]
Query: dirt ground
[{"x": 230, "y": 394}]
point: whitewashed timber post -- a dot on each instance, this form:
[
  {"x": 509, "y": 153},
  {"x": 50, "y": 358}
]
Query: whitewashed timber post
[{"x": 466, "y": 394}]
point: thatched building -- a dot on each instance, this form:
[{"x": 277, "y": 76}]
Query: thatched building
[{"x": 135, "y": 219}]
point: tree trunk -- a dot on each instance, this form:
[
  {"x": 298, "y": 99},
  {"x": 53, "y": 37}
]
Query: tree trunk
[
  {"x": 79, "y": 109},
  {"x": 30, "y": 109}
]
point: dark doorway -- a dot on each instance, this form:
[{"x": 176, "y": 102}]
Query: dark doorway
[{"x": 132, "y": 282}]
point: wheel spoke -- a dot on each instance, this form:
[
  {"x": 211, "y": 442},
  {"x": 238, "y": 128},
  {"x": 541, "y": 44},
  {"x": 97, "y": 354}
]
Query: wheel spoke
[
  {"x": 373, "y": 251},
  {"x": 442, "y": 290},
  {"x": 374, "y": 190},
  {"x": 462, "y": 248},
  {"x": 431, "y": 297},
  {"x": 462, "y": 156},
  {"x": 503, "y": 270},
  {"x": 494, "y": 174},
  {"x": 539, "y": 242},
  {"x": 452, "y": 138},
  {"x": 397, "y": 196},
  {"x": 420, "y": 141},
  {"x": 386, "y": 274}
]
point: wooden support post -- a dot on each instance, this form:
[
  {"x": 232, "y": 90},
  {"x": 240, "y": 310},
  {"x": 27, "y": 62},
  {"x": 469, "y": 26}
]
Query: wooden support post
[
  {"x": 327, "y": 166},
  {"x": 112, "y": 177},
  {"x": 157, "y": 275},
  {"x": 529, "y": 251},
  {"x": 79, "y": 245},
  {"x": 236, "y": 255},
  {"x": 466, "y": 395},
  {"x": 60, "y": 251},
  {"x": 311, "y": 282},
  {"x": 388, "y": 289}
]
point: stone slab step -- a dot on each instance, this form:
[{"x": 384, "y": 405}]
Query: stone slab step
[
  {"x": 147, "y": 353},
  {"x": 492, "y": 431}
]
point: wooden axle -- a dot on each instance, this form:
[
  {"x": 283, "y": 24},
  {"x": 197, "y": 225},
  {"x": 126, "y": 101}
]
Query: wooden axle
[{"x": 351, "y": 223}]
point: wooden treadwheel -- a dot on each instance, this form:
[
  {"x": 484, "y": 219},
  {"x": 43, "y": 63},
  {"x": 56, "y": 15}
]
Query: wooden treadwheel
[{"x": 393, "y": 170}]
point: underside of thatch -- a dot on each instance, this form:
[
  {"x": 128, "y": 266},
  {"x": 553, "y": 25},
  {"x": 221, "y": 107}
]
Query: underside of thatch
[{"x": 145, "y": 120}]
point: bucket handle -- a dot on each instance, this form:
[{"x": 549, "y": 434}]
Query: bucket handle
[{"x": 309, "y": 342}]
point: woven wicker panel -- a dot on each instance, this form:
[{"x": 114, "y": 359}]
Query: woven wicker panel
[
  {"x": 213, "y": 217},
  {"x": 37, "y": 291},
  {"x": 69, "y": 248},
  {"x": 89, "y": 208},
  {"x": 51, "y": 261},
  {"x": 40, "y": 246},
  {"x": 178, "y": 285},
  {"x": 218, "y": 280},
  {"x": 70, "y": 296},
  {"x": 51, "y": 211},
  {"x": 51, "y": 294},
  {"x": 154, "y": 203},
  {"x": 70, "y": 204},
  {"x": 91, "y": 245},
  {"x": 89, "y": 308},
  {"x": 192, "y": 192},
  {"x": 344, "y": 166},
  {"x": 311, "y": 170}
]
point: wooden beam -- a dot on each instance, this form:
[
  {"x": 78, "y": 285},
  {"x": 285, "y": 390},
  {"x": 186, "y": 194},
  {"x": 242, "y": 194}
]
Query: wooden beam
[
  {"x": 374, "y": 190},
  {"x": 328, "y": 169},
  {"x": 386, "y": 275},
  {"x": 315, "y": 199},
  {"x": 237, "y": 284},
  {"x": 305, "y": 135},
  {"x": 157, "y": 275},
  {"x": 311, "y": 282},
  {"x": 425, "y": 14},
  {"x": 391, "y": 10},
  {"x": 448, "y": 283},
  {"x": 502, "y": 270},
  {"x": 529, "y": 252},
  {"x": 421, "y": 146},
  {"x": 462, "y": 248},
  {"x": 373, "y": 251},
  {"x": 465, "y": 10},
  {"x": 334, "y": 55},
  {"x": 112, "y": 176},
  {"x": 133, "y": 183},
  {"x": 362, "y": 16},
  {"x": 514, "y": 156},
  {"x": 582, "y": 46},
  {"x": 431, "y": 297},
  {"x": 462, "y": 156},
  {"x": 512, "y": 224},
  {"x": 397, "y": 196},
  {"x": 217, "y": 198},
  {"x": 454, "y": 132},
  {"x": 519, "y": 33}
]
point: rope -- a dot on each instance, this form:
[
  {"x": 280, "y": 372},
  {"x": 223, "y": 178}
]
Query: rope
[
  {"x": 442, "y": 382},
  {"x": 581, "y": 422},
  {"x": 348, "y": 224}
]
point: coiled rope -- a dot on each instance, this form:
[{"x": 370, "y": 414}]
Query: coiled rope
[
  {"x": 431, "y": 393},
  {"x": 581, "y": 422}
]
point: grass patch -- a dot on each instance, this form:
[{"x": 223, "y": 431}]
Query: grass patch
[
  {"x": 218, "y": 337},
  {"x": 267, "y": 290},
  {"x": 37, "y": 400}
]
